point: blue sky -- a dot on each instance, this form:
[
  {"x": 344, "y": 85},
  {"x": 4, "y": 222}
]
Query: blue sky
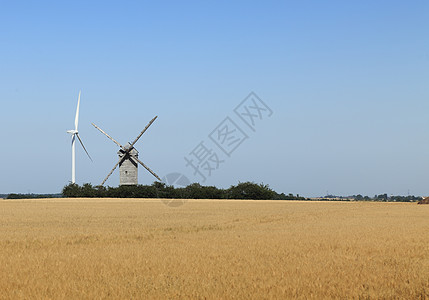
[{"x": 347, "y": 83}]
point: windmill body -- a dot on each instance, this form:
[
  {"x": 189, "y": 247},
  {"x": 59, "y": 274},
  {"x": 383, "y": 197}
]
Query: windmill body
[
  {"x": 128, "y": 168},
  {"x": 128, "y": 160},
  {"x": 75, "y": 134}
]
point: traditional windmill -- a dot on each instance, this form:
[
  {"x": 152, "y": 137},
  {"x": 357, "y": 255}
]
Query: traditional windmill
[
  {"x": 75, "y": 133},
  {"x": 128, "y": 160}
]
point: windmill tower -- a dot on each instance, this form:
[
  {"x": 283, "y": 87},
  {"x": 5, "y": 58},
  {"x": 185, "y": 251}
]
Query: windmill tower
[
  {"x": 128, "y": 168},
  {"x": 75, "y": 133},
  {"x": 128, "y": 160}
]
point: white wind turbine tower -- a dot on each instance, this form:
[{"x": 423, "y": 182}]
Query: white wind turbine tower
[{"x": 75, "y": 133}]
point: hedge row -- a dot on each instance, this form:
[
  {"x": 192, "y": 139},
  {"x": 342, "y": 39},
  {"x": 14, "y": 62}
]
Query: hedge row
[{"x": 244, "y": 190}]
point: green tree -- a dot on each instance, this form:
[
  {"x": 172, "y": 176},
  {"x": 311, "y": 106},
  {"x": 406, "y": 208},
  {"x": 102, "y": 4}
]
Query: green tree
[
  {"x": 72, "y": 191},
  {"x": 250, "y": 190}
]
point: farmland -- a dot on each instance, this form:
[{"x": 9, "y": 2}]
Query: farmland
[{"x": 241, "y": 249}]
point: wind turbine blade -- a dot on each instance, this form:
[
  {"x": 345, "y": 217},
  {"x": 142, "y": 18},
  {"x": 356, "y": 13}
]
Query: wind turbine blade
[
  {"x": 143, "y": 131},
  {"x": 76, "y": 120},
  {"x": 77, "y": 134},
  {"x": 146, "y": 167},
  {"x": 108, "y": 136},
  {"x": 119, "y": 161}
]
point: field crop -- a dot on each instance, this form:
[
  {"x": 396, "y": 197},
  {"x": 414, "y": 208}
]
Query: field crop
[{"x": 133, "y": 248}]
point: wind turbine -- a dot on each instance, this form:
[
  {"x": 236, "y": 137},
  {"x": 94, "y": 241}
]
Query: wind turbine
[{"x": 75, "y": 133}]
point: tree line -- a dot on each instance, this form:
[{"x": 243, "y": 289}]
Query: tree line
[
  {"x": 243, "y": 190},
  {"x": 31, "y": 196},
  {"x": 386, "y": 198}
]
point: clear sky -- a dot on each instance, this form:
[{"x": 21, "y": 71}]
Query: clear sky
[{"x": 347, "y": 82}]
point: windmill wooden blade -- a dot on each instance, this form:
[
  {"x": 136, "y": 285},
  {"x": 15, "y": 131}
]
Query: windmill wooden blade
[
  {"x": 108, "y": 136},
  {"x": 143, "y": 131},
  {"x": 77, "y": 134},
  {"x": 146, "y": 167},
  {"x": 108, "y": 175}
]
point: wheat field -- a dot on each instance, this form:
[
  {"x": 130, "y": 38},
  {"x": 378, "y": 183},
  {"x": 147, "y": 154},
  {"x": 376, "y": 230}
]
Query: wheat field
[{"x": 212, "y": 249}]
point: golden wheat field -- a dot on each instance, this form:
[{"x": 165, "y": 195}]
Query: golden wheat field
[{"x": 205, "y": 249}]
